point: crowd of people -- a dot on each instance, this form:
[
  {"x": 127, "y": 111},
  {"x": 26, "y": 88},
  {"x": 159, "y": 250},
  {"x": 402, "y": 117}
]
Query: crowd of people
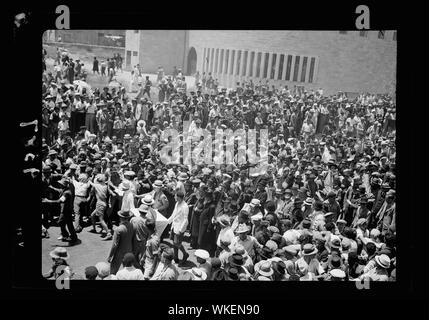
[{"x": 324, "y": 208}]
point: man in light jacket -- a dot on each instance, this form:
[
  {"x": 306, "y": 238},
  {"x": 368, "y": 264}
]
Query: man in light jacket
[{"x": 179, "y": 220}]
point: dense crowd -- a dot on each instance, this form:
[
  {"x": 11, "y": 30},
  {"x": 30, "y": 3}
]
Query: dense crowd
[{"x": 324, "y": 208}]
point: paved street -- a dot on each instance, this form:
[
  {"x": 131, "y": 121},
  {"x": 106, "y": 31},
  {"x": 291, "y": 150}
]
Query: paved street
[{"x": 90, "y": 250}]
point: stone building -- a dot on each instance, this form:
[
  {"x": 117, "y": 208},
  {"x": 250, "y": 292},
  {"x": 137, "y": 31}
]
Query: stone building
[{"x": 348, "y": 61}]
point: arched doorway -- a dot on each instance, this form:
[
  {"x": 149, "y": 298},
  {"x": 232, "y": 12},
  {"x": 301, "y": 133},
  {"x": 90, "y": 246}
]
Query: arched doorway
[{"x": 192, "y": 61}]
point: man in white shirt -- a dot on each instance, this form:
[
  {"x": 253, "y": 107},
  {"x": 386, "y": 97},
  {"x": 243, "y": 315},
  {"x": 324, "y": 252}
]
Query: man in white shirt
[
  {"x": 249, "y": 243},
  {"x": 179, "y": 220},
  {"x": 81, "y": 187},
  {"x": 226, "y": 234},
  {"x": 129, "y": 272}
]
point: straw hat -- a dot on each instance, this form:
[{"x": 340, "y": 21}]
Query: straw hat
[
  {"x": 383, "y": 261},
  {"x": 202, "y": 254},
  {"x": 148, "y": 200},
  {"x": 264, "y": 269},
  {"x": 309, "y": 249},
  {"x": 59, "y": 253},
  {"x": 242, "y": 228},
  {"x": 198, "y": 274}
]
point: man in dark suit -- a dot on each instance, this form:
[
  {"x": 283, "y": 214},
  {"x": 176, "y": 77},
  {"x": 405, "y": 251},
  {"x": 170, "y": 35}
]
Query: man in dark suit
[
  {"x": 141, "y": 234},
  {"x": 122, "y": 241}
]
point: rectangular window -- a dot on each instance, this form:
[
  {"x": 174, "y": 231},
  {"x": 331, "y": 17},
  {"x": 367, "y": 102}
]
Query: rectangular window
[
  {"x": 281, "y": 65},
  {"x": 267, "y": 55},
  {"x": 231, "y": 69},
  {"x": 135, "y": 53},
  {"x": 394, "y": 36},
  {"x": 311, "y": 74},
  {"x": 304, "y": 69},
  {"x": 221, "y": 61},
  {"x": 288, "y": 67},
  {"x": 226, "y": 61},
  {"x": 273, "y": 66},
  {"x": 252, "y": 61},
  {"x": 296, "y": 69},
  {"x": 245, "y": 53},
  {"x": 363, "y": 33},
  {"x": 258, "y": 65},
  {"x": 343, "y": 32},
  {"x": 238, "y": 62},
  {"x": 216, "y": 60},
  {"x": 381, "y": 34}
]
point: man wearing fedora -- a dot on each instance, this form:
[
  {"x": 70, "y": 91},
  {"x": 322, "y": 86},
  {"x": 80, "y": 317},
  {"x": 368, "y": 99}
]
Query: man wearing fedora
[
  {"x": 122, "y": 241},
  {"x": 161, "y": 202},
  {"x": 225, "y": 234},
  {"x": 377, "y": 269},
  {"x": 206, "y": 232},
  {"x": 249, "y": 243},
  {"x": 141, "y": 234}
]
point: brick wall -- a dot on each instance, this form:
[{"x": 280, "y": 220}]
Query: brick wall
[
  {"x": 161, "y": 48},
  {"x": 346, "y": 62}
]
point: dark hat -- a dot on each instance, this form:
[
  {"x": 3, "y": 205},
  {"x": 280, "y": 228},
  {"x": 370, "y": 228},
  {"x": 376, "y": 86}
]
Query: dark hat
[
  {"x": 298, "y": 201},
  {"x": 279, "y": 267},
  {"x": 335, "y": 261},
  {"x": 233, "y": 273},
  {"x": 277, "y": 238},
  {"x": 306, "y": 224},
  {"x": 236, "y": 260},
  {"x": 220, "y": 275},
  {"x": 331, "y": 194},
  {"x": 91, "y": 272},
  {"x": 266, "y": 252},
  {"x": 216, "y": 263}
]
